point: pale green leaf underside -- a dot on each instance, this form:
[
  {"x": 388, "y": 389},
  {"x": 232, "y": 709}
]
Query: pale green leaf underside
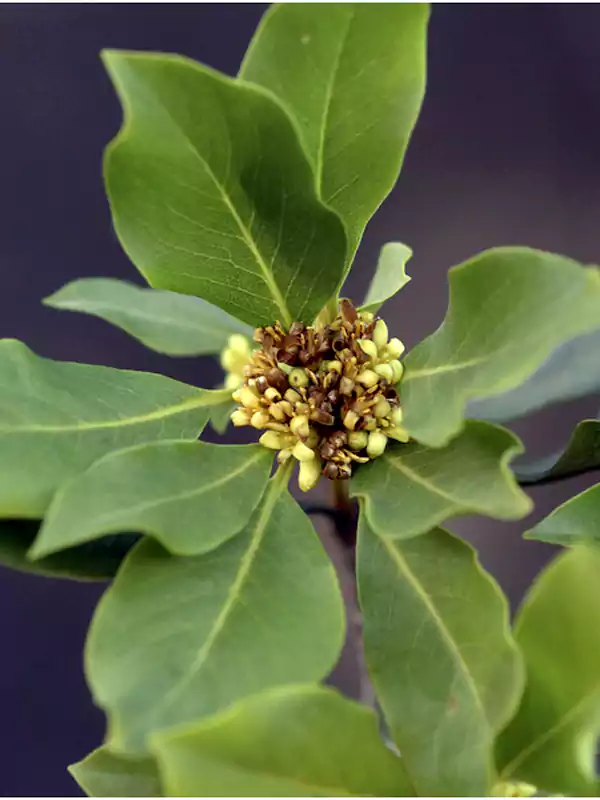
[
  {"x": 190, "y": 496},
  {"x": 412, "y": 488},
  {"x": 93, "y": 561},
  {"x": 390, "y": 275},
  {"x": 446, "y": 672},
  {"x": 581, "y": 453},
  {"x": 292, "y": 741},
  {"x": 509, "y": 309},
  {"x": 572, "y": 371},
  {"x": 175, "y": 639},
  {"x": 353, "y": 76},
  {"x": 170, "y": 323},
  {"x": 105, "y": 774},
  {"x": 212, "y": 194},
  {"x": 575, "y": 522},
  {"x": 551, "y": 742},
  {"x": 57, "y": 418}
]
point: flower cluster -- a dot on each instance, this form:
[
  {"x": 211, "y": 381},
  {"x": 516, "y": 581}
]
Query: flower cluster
[
  {"x": 233, "y": 360},
  {"x": 324, "y": 395}
]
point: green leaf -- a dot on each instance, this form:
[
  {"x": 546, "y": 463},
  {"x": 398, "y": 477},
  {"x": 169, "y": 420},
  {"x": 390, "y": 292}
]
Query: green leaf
[
  {"x": 191, "y": 496},
  {"x": 510, "y": 307},
  {"x": 176, "y": 638},
  {"x": 581, "y": 454},
  {"x": 213, "y": 196},
  {"x": 412, "y": 488},
  {"x": 220, "y": 416},
  {"x": 575, "y": 522},
  {"x": 175, "y": 324},
  {"x": 390, "y": 275},
  {"x": 551, "y": 742},
  {"x": 106, "y": 774},
  {"x": 56, "y": 419},
  {"x": 353, "y": 75},
  {"x": 292, "y": 741},
  {"x": 93, "y": 561},
  {"x": 446, "y": 672},
  {"x": 572, "y": 371}
]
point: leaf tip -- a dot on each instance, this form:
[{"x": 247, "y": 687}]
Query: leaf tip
[
  {"x": 108, "y": 55},
  {"x": 51, "y": 299},
  {"x": 35, "y": 552}
]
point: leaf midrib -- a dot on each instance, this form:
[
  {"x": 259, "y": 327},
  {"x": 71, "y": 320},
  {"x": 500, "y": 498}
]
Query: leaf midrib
[
  {"x": 398, "y": 464},
  {"x": 319, "y": 169},
  {"x": 540, "y": 740},
  {"x": 97, "y": 307},
  {"x": 265, "y": 270},
  {"x": 206, "y": 398},
  {"x": 400, "y": 562},
  {"x": 428, "y": 372},
  {"x": 188, "y": 493},
  {"x": 274, "y": 491}
]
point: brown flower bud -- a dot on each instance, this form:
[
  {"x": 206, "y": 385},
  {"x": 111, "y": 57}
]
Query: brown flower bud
[
  {"x": 261, "y": 384},
  {"x": 322, "y": 417},
  {"x": 277, "y": 379}
]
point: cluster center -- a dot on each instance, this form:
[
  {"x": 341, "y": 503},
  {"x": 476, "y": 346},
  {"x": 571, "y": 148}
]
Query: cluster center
[{"x": 325, "y": 395}]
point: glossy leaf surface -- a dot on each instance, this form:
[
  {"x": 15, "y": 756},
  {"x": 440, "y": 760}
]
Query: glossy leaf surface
[
  {"x": 437, "y": 645},
  {"x": 293, "y": 741},
  {"x": 213, "y": 196},
  {"x": 572, "y": 371},
  {"x": 171, "y": 323},
  {"x": 190, "y": 496},
  {"x": 551, "y": 742},
  {"x": 390, "y": 275},
  {"x": 105, "y": 774},
  {"x": 57, "y": 418},
  {"x": 509, "y": 309},
  {"x": 175, "y": 638},
  {"x": 353, "y": 76},
  {"x": 93, "y": 561},
  {"x": 411, "y": 488}
]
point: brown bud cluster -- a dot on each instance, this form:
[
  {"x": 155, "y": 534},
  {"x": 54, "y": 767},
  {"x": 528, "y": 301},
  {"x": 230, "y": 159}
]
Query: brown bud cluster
[{"x": 325, "y": 395}]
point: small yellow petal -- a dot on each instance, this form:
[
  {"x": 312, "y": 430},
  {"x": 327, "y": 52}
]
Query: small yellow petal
[
  {"x": 395, "y": 348},
  {"x": 310, "y": 472},
  {"x": 247, "y": 397},
  {"x": 273, "y": 440},
  {"x": 300, "y": 426},
  {"x": 357, "y": 440},
  {"x": 368, "y": 346},
  {"x": 368, "y": 378},
  {"x": 398, "y": 433},
  {"x": 376, "y": 444},
  {"x": 385, "y": 371},
  {"x": 350, "y": 420},
  {"x": 397, "y": 416},
  {"x": 381, "y": 408},
  {"x": 380, "y": 333},
  {"x": 233, "y": 382},
  {"x": 303, "y": 453},
  {"x": 240, "y": 417},
  {"x": 397, "y": 370},
  {"x": 239, "y": 344}
]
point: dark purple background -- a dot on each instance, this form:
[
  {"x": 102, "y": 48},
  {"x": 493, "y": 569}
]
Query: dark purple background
[{"x": 506, "y": 152}]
